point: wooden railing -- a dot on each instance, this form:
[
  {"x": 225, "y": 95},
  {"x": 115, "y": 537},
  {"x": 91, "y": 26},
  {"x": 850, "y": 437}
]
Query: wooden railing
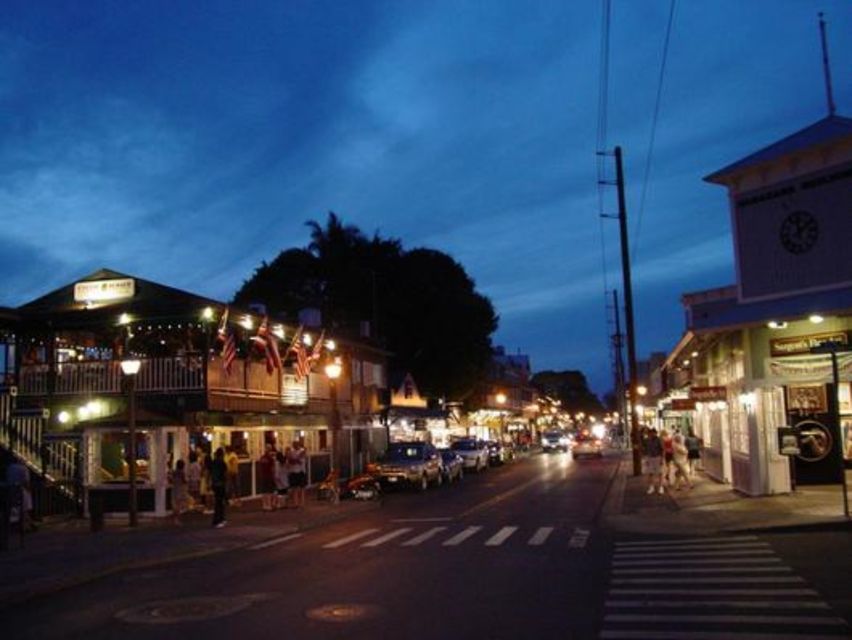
[{"x": 182, "y": 373}]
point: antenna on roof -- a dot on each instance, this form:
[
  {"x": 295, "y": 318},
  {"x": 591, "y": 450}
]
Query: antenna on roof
[{"x": 826, "y": 68}]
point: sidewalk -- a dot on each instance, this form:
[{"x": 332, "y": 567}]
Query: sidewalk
[
  {"x": 711, "y": 507},
  {"x": 64, "y": 554}
]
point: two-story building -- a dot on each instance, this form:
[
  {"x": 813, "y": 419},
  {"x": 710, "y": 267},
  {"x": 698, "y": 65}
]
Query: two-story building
[{"x": 209, "y": 375}]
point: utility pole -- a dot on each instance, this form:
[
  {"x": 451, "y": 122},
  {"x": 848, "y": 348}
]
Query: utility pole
[
  {"x": 617, "y": 343},
  {"x": 628, "y": 315}
]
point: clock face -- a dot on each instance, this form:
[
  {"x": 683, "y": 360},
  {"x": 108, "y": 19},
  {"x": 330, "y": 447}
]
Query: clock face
[{"x": 799, "y": 232}]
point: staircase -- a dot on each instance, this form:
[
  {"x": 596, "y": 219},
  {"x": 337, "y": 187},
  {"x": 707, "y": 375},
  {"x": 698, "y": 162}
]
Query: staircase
[{"x": 53, "y": 458}]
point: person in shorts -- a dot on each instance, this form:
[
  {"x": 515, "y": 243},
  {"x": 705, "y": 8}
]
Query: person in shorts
[
  {"x": 267, "y": 478},
  {"x": 232, "y": 486},
  {"x": 296, "y": 459}
]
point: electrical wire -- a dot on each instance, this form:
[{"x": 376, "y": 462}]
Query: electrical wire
[{"x": 654, "y": 120}]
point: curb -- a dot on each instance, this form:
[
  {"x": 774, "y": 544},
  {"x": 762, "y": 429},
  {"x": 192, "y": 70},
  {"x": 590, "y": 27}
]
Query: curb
[{"x": 18, "y": 598}]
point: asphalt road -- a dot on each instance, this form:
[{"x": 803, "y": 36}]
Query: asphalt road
[{"x": 513, "y": 552}]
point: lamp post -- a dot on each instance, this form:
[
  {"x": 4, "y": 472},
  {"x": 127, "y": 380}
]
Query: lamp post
[
  {"x": 130, "y": 368},
  {"x": 501, "y": 400},
  {"x": 333, "y": 370}
]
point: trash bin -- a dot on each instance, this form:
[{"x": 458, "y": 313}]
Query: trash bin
[{"x": 96, "y": 512}]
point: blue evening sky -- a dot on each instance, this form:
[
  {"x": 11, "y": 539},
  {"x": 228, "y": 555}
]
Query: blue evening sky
[{"x": 185, "y": 142}]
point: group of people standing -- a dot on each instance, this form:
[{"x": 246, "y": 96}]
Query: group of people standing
[
  {"x": 283, "y": 477},
  {"x": 207, "y": 482},
  {"x": 669, "y": 459}
]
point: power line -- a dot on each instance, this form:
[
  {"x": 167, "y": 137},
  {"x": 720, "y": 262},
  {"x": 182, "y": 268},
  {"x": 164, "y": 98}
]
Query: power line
[{"x": 649, "y": 156}]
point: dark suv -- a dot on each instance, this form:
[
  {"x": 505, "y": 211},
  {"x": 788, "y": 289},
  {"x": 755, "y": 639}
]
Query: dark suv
[{"x": 415, "y": 464}]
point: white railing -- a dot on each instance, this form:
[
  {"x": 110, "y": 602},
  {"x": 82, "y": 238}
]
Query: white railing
[{"x": 181, "y": 373}]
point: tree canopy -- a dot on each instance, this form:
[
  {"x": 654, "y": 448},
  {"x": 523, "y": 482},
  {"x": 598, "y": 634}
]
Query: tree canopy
[
  {"x": 571, "y": 388},
  {"x": 421, "y": 302}
]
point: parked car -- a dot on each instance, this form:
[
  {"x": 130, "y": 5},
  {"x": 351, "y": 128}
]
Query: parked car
[
  {"x": 473, "y": 452},
  {"x": 554, "y": 440},
  {"x": 587, "y": 445},
  {"x": 495, "y": 452},
  {"x": 416, "y": 464},
  {"x": 453, "y": 465}
]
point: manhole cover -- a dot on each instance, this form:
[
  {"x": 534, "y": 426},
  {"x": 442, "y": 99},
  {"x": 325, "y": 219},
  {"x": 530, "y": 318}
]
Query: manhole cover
[
  {"x": 343, "y": 612},
  {"x": 189, "y": 609}
]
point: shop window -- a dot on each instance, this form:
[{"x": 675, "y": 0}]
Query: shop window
[
  {"x": 239, "y": 443},
  {"x": 115, "y": 447},
  {"x": 323, "y": 439}
]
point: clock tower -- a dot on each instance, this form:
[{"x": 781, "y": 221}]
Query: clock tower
[{"x": 791, "y": 210}]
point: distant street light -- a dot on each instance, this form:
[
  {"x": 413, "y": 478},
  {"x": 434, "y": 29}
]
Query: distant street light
[
  {"x": 130, "y": 368},
  {"x": 333, "y": 370}
]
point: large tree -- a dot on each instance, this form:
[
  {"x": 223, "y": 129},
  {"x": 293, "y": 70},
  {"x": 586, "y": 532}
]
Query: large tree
[
  {"x": 422, "y": 303},
  {"x": 571, "y": 388}
]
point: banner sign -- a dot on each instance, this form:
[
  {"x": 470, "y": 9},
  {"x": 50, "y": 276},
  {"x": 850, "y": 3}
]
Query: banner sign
[
  {"x": 104, "y": 290},
  {"x": 683, "y": 404},
  {"x": 804, "y": 368},
  {"x": 709, "y": 394},
  {"x": 800, "y": 345}
]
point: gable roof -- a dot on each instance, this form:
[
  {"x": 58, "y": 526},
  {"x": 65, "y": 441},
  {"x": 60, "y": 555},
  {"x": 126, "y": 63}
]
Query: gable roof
[{"x": 823, "y": 132}]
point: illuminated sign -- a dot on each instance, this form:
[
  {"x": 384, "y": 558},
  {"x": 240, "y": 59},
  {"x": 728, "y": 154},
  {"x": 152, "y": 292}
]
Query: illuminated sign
[
  {"x": 104, "y": 290},
  {"x": 709, "y": 394},
  {"x": 804, "y": 344}
]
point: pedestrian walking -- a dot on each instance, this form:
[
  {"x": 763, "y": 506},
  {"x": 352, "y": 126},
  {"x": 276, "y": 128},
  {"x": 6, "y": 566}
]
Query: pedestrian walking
[
  {"x": 282, "y": 482},
  {"x": 193, "y": 481},
  {"x": 18, "y": 477},
  {"x": 652, "y": 461},
  {"x": 180, "y": 491},
  {"x": 680, "y": 462},
  {"x": 232, "y": 461},
  {"x": 693, "y": 447},
  {"x": 218, "y": 476},
  {"x": 668, "y": 455},
  {"x": 296, "y": 458},
  {"x": 266, "y": 467}
]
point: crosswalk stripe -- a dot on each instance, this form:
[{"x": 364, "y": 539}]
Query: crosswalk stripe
[
  {"x": 687, "y": 562},
  {"x": 698, "y": 547},
  {"x": 423, "y": 537},
  {"x": 348, "y": 539},
  {"x": 695, "y": 554},
  {"x": 663, "y": 542},
  {"x": 461, "y": 537},
  {"x": 726, "y": 619},
  {"x": 500, "y": 537},
  {"x": 626, "y": 634},
  {"x": 733, "y": 580},
  {"x": 715, "y": 592},
  {"x": 388, "y": 536},
  {"x": 729, "y": 604},
  {"x": 540, "y": 536},
  {"x": 274, "y": 541},
  {"x": 670, "y": 570}
]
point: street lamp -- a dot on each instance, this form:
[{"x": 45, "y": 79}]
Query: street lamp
[
  {"x": 501, "y": 400},
  {"x": 333, "y": 370},
  {"x": 130, "y": 368}
]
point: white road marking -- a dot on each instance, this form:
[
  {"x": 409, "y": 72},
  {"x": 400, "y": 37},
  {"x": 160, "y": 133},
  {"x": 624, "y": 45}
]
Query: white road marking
[
  {"x": 388, "y": 536},
  {"x": 348, "y": 539},
  {"x": 714, "y": 604},
  {"x": 421, "y": 520},
  {"x": 541, "y": 536},
  {"x": 656, "y": 563},
  {"x": 670, "y": 570},
  {"x": 423, "y": 537},
  {"x": 500, "y": 537},
  {"x": 725, "y": 619},
  {"x": 698, "y": 547},
  {"x": 735, "y": 580},
  {"x": 640, "y": 543},
  {"x": 619, "y": 634},
  {"x": 579, "y": 538},
  {"x": 461, "y": 537},
  {"x": 274, "y": 541},
  {"x": 695, "y": 554},
  {"x": 714, "y": 592}
]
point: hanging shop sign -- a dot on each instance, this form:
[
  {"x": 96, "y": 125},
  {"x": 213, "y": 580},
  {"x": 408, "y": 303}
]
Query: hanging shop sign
[
  {"x": 788, "y": 441},
  {"x": 807, "y": 398},
  {"x": 708, "y": 394},
  {"x": 801, "y": 345},
  {"x": 815, "y": 441},
  {"x": 104, "y": 290},
  {"x": 683, "y": 404}
]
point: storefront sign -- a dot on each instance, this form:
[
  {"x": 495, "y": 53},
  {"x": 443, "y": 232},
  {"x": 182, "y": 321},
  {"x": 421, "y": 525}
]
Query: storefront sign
[
  {"x": 815, "y": 441},
  {"x": 800, "y": 345},
  {"x": 104, "y": 290},
  {"x": 810, "y": 398},
  {"x": 683, "y": 404},
  {"x": 708, "y": 394},
  {"x": 788, "y": 441}
]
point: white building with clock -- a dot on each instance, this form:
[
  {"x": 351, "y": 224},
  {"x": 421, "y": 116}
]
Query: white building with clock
[{"x": 749, "y": 361}]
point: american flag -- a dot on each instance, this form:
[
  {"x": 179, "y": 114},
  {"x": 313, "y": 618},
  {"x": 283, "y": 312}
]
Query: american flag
[
  {"x": 297, "y": 349},
  {"x": 229, "y": 343},
  {"x": 266, "y": 342},
  {"x": 316, "y": 352}
]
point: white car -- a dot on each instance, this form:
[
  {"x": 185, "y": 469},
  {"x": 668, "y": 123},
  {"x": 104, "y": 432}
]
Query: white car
[
  {"x": 474, "y": 453},
  {"x": 587, "y": 446}
]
